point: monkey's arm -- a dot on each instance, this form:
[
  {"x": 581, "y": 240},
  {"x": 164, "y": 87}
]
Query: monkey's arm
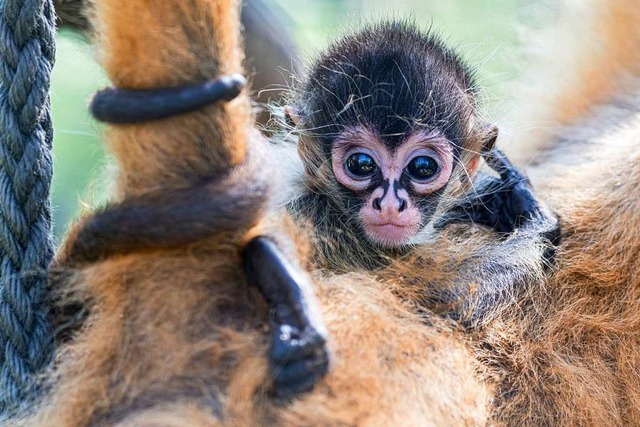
[
  {"x": 507, "y": 203},
  {"x": 475, "y": 274},
  {"x": 496, "y": 275},
  {"x": 298, "y": 356},
  {"x": 500, "y": 267}
]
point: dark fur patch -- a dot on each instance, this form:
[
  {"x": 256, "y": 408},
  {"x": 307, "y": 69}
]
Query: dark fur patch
[{"x": 392, "y": 78}]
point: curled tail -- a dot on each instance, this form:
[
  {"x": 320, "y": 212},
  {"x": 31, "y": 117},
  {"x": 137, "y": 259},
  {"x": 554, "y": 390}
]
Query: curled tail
[{"x": 172, "y": 218}]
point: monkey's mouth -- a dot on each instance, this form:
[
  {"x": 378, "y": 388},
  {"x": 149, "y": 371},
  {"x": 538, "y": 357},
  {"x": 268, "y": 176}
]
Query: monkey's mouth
[{"x": 390, "y": 234}]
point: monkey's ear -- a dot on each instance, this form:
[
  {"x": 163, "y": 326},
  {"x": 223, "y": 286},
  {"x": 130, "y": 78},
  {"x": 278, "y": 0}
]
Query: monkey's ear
[
  {"x": 292, "y": 118},
  {"x": 487, "y": 142}
]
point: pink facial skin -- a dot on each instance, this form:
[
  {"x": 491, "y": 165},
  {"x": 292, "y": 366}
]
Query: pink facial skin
[{"x": 389, "y": 216}]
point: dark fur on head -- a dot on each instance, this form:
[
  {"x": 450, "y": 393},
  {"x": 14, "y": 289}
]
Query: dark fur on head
[{"x": 392, "y": 77}]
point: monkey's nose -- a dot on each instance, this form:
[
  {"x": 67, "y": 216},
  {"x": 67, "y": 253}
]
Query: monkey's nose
[{"x": 397, "y": 204}]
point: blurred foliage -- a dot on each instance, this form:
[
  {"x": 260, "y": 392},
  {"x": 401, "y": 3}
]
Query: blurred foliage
[
  {"x": 482, "y": 30},
  {"x": 78, "y": 154}
]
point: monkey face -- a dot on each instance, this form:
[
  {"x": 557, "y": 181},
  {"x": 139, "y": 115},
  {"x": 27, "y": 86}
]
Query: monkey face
[{"x": 392, "y": 181}]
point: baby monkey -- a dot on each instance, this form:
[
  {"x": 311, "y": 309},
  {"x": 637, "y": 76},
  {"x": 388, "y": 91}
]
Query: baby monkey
[{"x": 390, "y": 138}]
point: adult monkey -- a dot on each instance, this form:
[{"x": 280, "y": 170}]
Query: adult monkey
[
  {"x": 174, "y": 334},
  {"x": 133, "y": 363}
]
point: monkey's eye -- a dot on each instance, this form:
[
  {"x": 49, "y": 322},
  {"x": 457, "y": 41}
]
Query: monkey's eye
[
  {"x": 422, "y": 168},
  {"x": 360, "y": 165}
]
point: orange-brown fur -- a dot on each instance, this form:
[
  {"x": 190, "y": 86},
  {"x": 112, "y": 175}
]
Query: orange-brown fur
[
  {"x": 581, "y": 350},
  {"x": 176, "y": 336},
  {"x": 567, "y": 353},
  {"x": 270, "y": 51}
]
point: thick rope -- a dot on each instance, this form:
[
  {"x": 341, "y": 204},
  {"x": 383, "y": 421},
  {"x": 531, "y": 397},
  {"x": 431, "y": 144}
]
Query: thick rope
[{"x": 27, "y": 48}]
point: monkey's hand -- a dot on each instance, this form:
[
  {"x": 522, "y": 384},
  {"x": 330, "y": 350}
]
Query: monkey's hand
[
  {"x": 504, "y": 203},
  {"x": 298, "y": 355}
]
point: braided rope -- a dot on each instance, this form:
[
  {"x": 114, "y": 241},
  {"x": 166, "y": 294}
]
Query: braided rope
[{"x": 27, "y": 48}]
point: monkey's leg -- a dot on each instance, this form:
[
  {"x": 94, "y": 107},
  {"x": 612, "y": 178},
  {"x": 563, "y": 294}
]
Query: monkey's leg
[{"x": 298, "y": 356}]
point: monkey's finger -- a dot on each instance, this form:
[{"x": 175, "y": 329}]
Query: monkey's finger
[
  {"x": 522, "y": 202},
  {"x": 282, "y": 317},
  {"x": 499, "y": 162},
  {"x": 554, "y": 238},
  {"x": 490, "y": 138}
]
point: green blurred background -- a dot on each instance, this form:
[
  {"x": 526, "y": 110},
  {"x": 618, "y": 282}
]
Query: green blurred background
[{"x": 484, "y": 31}]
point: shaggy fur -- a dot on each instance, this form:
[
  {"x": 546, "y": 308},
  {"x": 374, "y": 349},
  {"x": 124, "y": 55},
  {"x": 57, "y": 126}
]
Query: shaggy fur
[
  {"x": 568, "y": 353},
  {"x": 175, "y": 336}
]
